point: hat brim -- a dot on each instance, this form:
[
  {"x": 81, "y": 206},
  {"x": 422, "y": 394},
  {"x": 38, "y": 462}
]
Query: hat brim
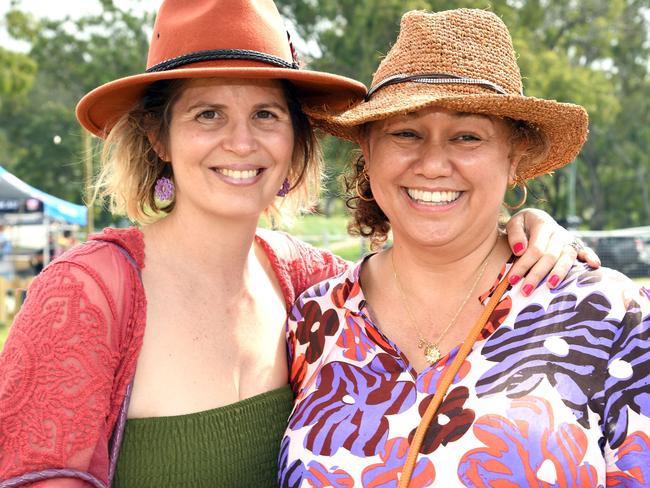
[
  {"x": 565, "y": 125},
  {"x": 98, "y": 110}
]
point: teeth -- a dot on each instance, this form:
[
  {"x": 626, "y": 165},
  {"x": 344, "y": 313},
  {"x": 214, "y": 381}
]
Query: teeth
[
  {"x": 239, "y": 175},
  {"x": 433, "y": 196}
]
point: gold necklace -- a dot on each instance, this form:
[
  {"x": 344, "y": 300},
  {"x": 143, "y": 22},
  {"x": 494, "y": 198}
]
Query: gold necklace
[{"x": 431, "y": 350}]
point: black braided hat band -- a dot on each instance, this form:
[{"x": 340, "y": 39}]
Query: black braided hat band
[
  {"x": 220, "y": 54},
  {"x": 436, "y": 79}
]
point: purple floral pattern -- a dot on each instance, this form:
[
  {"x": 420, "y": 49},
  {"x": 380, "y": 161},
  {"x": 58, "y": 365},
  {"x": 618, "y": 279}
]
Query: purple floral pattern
[
  {"x": 556, "y": 392},
  {"x": 337, "y": 410}
]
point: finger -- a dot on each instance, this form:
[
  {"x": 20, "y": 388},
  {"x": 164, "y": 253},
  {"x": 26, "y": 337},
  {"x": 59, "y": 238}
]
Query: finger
[
  {"x": 563, "y": 265},
  {"x": 540, "y": 237},
  {"x": 544, "y": 267},
  {"x": 589, "y": 256},
  {"x": 525, "y": 262},
  {"x": 516, "y": 232}
]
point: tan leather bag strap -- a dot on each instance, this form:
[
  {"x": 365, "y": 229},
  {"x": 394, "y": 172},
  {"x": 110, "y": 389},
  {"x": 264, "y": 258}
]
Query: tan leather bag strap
[{"x": 445, "y": 381}]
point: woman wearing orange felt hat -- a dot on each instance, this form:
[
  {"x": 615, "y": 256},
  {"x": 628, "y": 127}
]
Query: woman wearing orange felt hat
[{"x": 161, "y": 346}]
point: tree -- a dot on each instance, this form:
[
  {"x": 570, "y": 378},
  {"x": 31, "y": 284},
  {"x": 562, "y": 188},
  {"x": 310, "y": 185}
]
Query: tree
[
  {"x": 72, "y": 56},
  {"x": 592, "y": 52}
]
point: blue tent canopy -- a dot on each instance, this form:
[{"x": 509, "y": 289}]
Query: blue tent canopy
[{"x": 16, "y": 196}]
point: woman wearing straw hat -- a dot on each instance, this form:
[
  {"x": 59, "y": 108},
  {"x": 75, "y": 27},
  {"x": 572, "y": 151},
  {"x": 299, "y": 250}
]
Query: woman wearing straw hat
[
  {"x": 183, "y": 316},
  {"x": 541, "y": 387}
]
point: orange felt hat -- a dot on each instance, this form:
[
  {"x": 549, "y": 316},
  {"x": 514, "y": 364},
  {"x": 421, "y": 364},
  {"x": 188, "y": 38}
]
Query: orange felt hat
[{"x": 216, "y": 39}]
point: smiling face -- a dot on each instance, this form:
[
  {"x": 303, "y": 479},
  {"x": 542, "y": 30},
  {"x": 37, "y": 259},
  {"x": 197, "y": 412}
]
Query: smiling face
[
  {"x": 440, "y": 175},
  {"x": 231, "y": 144}
]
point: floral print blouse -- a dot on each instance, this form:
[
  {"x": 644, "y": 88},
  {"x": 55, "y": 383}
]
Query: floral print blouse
[{"x": 556, "y": 392}]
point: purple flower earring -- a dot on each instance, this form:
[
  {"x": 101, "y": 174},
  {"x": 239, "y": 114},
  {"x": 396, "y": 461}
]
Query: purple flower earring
[
  {"x": 284, "y": 189},
  {"x": 164, "y": 190}
]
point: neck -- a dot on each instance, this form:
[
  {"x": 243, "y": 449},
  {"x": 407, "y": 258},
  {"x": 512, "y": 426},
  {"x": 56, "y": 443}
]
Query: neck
[
  {"x": 198, "y": 243},
  {"x": 441, "y": 268}
]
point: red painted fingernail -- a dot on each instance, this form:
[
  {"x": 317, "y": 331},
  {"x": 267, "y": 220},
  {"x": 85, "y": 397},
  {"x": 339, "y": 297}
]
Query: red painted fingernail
[
  {"x": 518, "y": 247},
  {"x": 514, "y": 279},
  {"x": 553, "y": 280},
  {"x": 527, "y": 290}
]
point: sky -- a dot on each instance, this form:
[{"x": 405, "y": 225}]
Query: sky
[{"x": 57, "y": 9}]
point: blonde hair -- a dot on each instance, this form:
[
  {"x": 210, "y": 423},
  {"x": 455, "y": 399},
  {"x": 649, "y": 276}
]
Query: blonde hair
[{"x": 130, "y": 165}]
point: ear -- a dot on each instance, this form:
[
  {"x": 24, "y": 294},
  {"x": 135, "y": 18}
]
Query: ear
[
  {"x": 516, "y": 155},
  {"x": 363, "y": 139},
  {"x": 512, "y": 173},
  {"x": 158, "y": 146}
]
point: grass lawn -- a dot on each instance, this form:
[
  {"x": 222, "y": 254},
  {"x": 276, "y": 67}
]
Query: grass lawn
[
  {"x": 4, "y": 330},
  {"x": 643, "y": 281},
  {"x": 329, "y": 233}
]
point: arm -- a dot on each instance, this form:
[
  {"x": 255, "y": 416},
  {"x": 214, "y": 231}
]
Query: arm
[
  {"x": 626, "y": 423},
  {"x": 58, "y": 371},
  {"x": 544, "y": 249}
]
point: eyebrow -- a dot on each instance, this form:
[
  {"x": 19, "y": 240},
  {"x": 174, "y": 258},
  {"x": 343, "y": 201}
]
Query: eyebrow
[
  {"x": 275, "y": 105},
  {"x": 220, "y": 106}
]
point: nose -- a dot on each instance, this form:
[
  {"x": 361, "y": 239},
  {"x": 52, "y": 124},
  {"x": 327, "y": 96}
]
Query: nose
[
  {"x": 240, "y": 138},
  {"x": 433, "y": 160}
]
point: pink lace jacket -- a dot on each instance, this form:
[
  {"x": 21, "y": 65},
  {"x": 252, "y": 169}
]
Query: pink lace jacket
[{"x": 72, "y": 349}]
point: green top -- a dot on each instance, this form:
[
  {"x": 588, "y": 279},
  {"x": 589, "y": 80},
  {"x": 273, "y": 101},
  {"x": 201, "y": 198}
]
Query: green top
[{"x": 234, "y": 445}]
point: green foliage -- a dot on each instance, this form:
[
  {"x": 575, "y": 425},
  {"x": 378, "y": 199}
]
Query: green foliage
[
  {"x": 16, "y": 74},
  {"x": 592, "y": 52},
  {"x": 72, "y": 57}
]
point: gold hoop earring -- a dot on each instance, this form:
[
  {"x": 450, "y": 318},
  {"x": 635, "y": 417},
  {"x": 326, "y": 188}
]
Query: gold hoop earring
[
  {"x": 359, "y": 192},
  {"x": 521, "y": 202}
]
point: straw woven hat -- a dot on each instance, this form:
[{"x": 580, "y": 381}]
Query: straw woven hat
[
  {"x": 461, "y": 60},
  {"x": 215, "y": 38}
]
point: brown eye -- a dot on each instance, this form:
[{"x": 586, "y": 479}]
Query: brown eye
[
  {"x": 207, "y": 115},
  {"x": 404, "y": 134},
  {"x": 265, "y": 114},
  {"x": 467, "y": 138}
]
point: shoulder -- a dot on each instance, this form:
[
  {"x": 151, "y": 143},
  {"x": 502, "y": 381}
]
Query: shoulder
[
  {"x": 618, "y": 289},
  {"x": 283, "y": 245},
  {"x": 109, "y": 257},
  {"x": 290, "y": 249},
  {"x": 600, "y": 303},
  {"x": 130, "y": 239},
  {"x": 342, "y": 291},
  {"x": 300, "y": 263}
]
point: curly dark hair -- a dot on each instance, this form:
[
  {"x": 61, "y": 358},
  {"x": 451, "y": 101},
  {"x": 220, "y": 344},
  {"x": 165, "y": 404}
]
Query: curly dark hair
[{"x": 368, "y": 219}]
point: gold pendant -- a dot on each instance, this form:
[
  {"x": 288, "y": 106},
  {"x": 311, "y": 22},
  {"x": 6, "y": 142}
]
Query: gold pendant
[{"x": 432, "y": 353}]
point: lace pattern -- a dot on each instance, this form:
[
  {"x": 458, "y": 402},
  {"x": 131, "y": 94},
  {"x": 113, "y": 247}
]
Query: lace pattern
[{"x": 73, "y": 347}]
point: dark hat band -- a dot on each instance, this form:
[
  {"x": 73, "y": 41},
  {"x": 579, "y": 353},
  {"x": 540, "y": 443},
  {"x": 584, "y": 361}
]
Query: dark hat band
[
  {"x": 435, "y": 79},
  {"x": 220, "y": 54}
]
